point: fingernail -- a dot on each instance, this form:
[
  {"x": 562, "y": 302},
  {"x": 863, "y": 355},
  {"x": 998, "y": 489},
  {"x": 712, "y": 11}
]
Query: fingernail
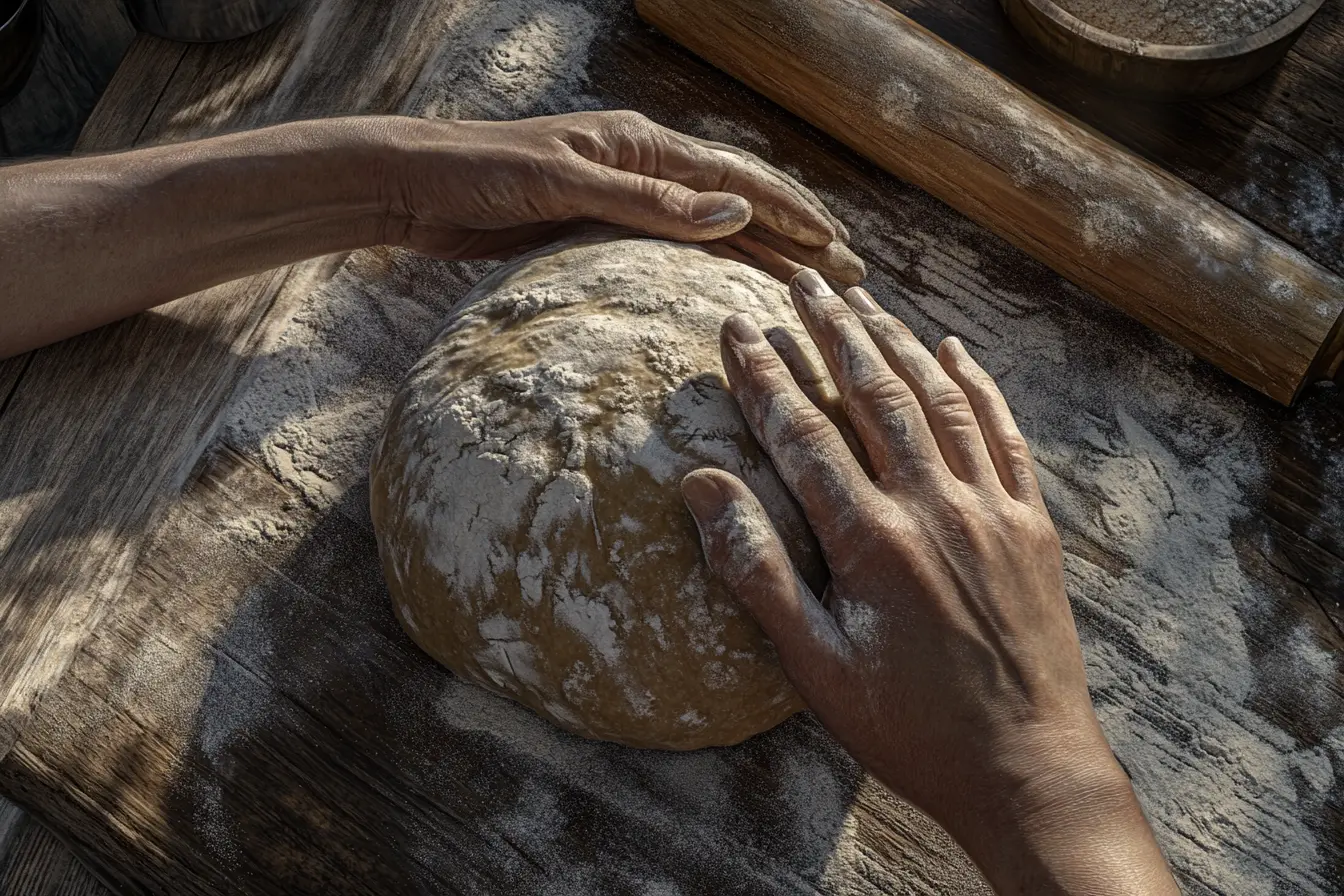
[
  {"x": 702, "y": 495},
  {"x": 811, "y": 284},
  {"x": 859, "y": 299},
  {"x": 741, "y": 328},
  {"x": 720, "y": 208},
  {"x": 845, "y": 264}
]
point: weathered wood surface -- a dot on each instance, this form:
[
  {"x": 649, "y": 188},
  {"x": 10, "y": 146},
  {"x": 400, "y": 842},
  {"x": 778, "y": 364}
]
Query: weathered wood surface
[
  {"x": 33, "y": 862},
  {"x": 75, "y": 496},
  {"x": 1155, "y": 247},
  {"x": 83, "y": 43},
  {"x": 247, "y": 718}
]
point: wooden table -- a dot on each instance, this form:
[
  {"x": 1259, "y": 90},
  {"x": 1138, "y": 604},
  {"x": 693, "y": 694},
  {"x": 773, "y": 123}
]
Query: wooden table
[{"x": 202, "y": 688}]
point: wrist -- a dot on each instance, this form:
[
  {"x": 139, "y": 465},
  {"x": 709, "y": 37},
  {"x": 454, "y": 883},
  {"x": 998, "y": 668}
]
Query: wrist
[
  {"x": 416, "y": 153},
  {"x": 1062, "y": 818},
  {"x": 353, "y": 174}
]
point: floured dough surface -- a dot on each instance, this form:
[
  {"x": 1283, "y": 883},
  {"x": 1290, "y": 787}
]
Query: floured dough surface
[{"x": 526, "y": 494}]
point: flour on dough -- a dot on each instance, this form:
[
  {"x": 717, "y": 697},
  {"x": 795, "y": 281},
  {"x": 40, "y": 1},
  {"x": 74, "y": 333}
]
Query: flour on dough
[{"x": 526, "y": 494}]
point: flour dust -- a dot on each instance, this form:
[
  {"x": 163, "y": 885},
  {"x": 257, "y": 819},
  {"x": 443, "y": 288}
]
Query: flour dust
[{"x": 1150, "y": 467}]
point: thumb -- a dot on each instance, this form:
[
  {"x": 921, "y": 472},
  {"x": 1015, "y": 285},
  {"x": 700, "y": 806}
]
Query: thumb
[
  {"x": 661, "y": 208},
  {"x": 745, "y": 553}
]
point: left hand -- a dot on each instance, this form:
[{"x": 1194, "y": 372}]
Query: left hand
[{"x": 474, "y": 189}]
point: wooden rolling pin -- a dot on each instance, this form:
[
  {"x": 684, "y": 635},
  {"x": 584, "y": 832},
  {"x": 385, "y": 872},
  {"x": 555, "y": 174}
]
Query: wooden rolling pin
[{"x": 1140, "y": 238}]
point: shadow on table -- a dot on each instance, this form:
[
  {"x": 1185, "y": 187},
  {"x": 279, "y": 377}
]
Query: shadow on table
[{"x": 330, "y": 755}]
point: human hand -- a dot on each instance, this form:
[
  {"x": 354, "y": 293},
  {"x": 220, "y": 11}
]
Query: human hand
[
  {"x": 474, "y": 189},
  {"x": 945, "y": 656}
]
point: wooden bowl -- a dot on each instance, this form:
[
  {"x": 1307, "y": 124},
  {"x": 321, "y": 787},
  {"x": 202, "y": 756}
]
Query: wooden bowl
[
  {"x": 1156, "y": 71},
  {"x": 20, "y": 39}
]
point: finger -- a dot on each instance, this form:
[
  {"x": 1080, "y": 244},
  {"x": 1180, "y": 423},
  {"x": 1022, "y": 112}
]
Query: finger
[
  {"x": 662, "y": 208},
  {"x": 945, "y": 405},
  {"x": 836, "y": 260},
  {"x": 776, "y": 205},
  {"x": 883, "y": 408},
  {"x": 725, "y": 249},
  {"x": 1008, "y": 450},
  {"x": 806, "y": 448},
  {"x": 809, "y": 372},
  {"x": 744, "y": 552},
  {"x": 807, "y": 196},
  {"x": 631, "y": 142},
  {"x": 773, "y": 263}
]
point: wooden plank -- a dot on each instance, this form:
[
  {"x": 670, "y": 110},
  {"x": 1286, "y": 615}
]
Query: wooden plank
[
  {"x": 252, "y": 719},
  {"x": 34, "y": 862},
  {"x": 274, "y": 731},
  {"x": 76, "y": 498},
  {"x": 123, "y": 110}
]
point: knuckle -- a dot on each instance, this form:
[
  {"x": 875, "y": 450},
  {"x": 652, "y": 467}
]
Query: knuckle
[
  {"x": 882, "y": 389},
  {"x": 804, "y": 427},
  {"x": 1018, "y": 453},
  {"x": 762, "y": 363},
  {"x": 950, "y": 405},
  {"x": 631, "y": 122}
]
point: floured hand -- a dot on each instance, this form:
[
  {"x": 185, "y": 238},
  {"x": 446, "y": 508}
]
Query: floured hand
[
  {"x": 473, "y": 189},
  {"x": 945, "y": 658}
]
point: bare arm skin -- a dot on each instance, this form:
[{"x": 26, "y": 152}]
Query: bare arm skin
[
  {"x": 946, "y": 659},
  {"x": 86, "y": 241}
]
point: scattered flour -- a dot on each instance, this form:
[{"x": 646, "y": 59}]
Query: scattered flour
[
  {"x": 1181, "y": 22},
  {"x": 1167, "y": 614}
]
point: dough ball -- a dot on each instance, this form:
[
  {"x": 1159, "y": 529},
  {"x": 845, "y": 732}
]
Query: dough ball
[{"x": 526, "y": 494}]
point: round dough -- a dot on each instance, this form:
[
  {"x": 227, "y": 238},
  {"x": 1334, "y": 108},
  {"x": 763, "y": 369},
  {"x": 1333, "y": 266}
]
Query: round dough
[{"x": 526, "y": 494}]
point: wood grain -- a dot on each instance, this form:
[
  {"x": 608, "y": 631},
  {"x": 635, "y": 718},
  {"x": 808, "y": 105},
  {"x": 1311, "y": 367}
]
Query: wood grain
[
  {"x": 76, "y": 499},
  {"x": 246, "y": 714},
  {"x": 254, "y": 720},
  {"x": 1127, "y": 231},
  {"x": 34, "y": 862}
]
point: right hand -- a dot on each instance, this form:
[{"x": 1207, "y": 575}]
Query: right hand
[{"x": 945, "y": 656}]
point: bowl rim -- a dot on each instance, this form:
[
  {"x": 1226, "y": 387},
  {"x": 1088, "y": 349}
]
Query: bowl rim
[
  {"x": 1237, "y": 46},
  {"x": 18, "y": 11}
]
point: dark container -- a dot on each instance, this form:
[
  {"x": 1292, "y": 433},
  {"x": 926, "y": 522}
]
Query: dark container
[
  {"x": 204, "y": 21},
  {"x": 20, "y": 39}
]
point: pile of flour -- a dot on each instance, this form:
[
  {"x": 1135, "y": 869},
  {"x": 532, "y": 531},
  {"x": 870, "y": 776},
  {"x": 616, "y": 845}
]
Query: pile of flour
[{"x": 1181, "y": 22}]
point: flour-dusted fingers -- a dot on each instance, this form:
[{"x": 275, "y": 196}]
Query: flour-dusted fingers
[
  {"x": 725, "y": 249},
  {"x": 631, "y": 142},
  {"x": 807, "y": 196},
  {"x": 1009, "y": 451},
  {"x": 778, "y": 206},
  {"x": 836, "y": 261},
  {"x": 744, "y": 552},
  {"x": 663, "y": 208},
  {"x": 762, "y": 257},
  {"x": 808, "y": 451},
  {"x": 809, "y": 372},
  {"x": 883, "y": 408},
  {"x": 945, "y": 405}
]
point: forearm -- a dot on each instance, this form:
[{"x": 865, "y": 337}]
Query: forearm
[{"x": 86, "y": 241}]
